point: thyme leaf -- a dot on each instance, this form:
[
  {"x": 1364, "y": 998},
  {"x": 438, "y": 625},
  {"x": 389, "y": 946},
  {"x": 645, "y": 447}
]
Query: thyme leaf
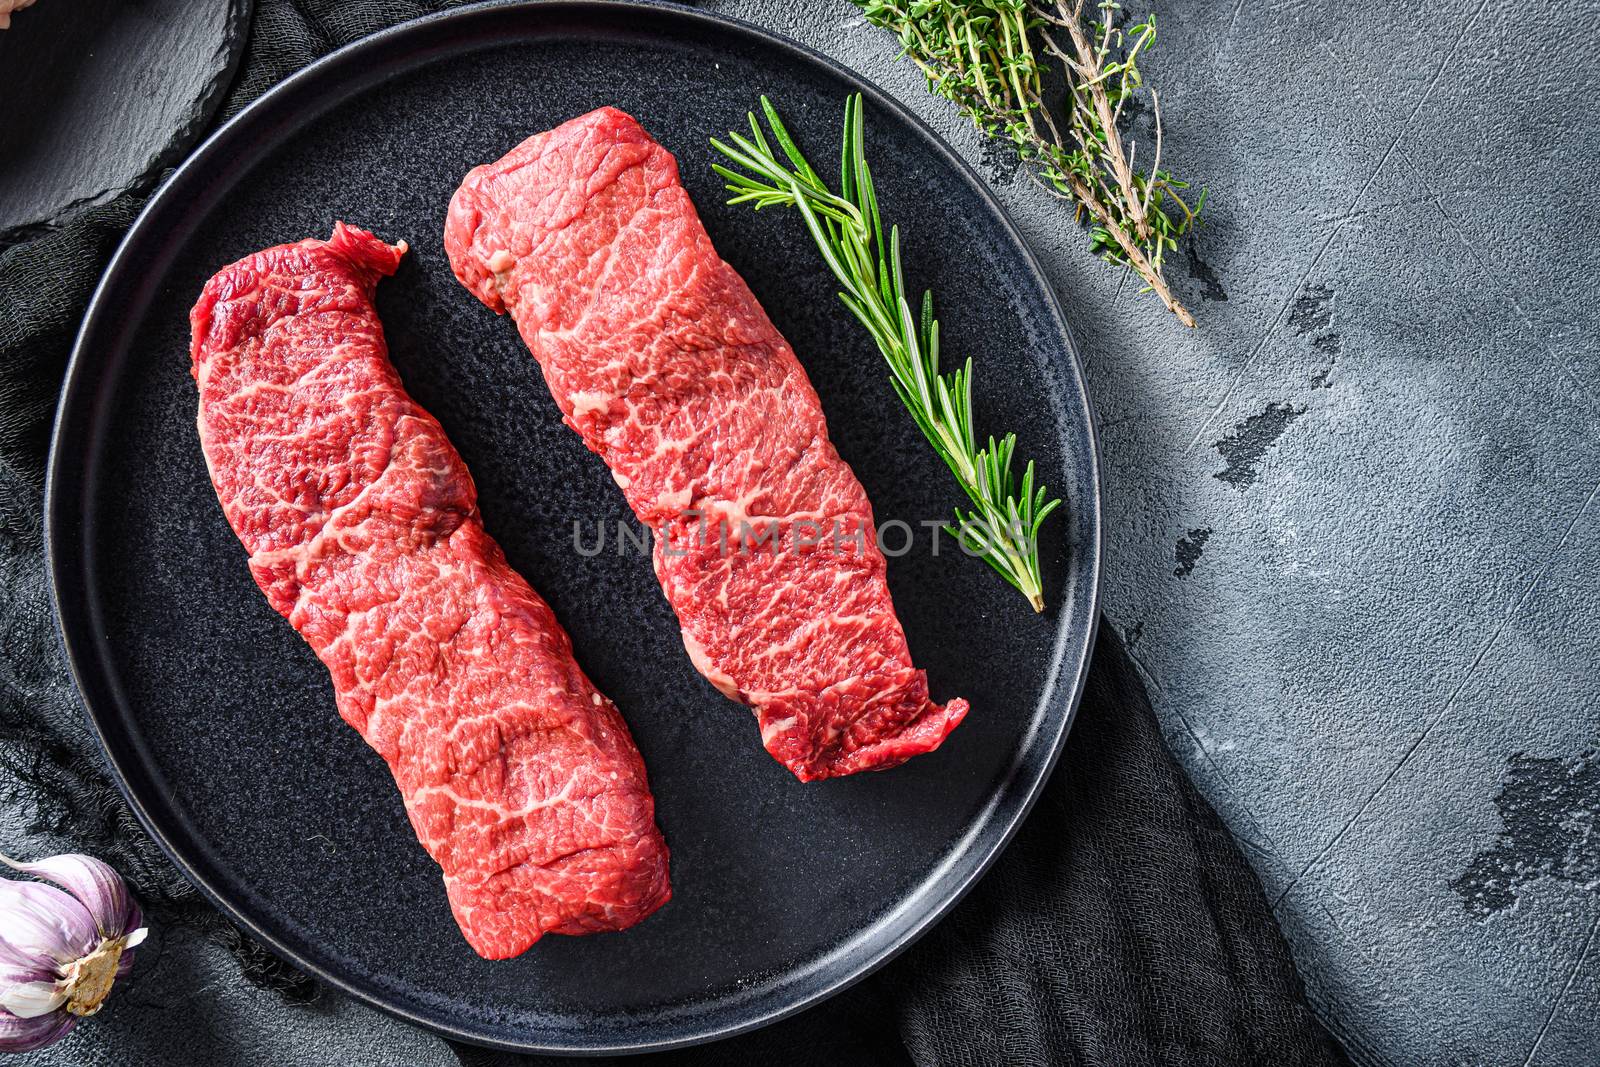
[{"x": 991, "y": 58}]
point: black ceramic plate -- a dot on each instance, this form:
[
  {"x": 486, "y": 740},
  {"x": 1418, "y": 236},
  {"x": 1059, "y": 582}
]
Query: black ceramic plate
[{"x": 219, "y": 721}]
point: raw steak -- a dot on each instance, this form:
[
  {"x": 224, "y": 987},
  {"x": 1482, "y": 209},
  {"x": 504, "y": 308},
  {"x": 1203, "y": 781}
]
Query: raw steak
[
  {"x": 659, "y": 355},
  {"x": 362, "y": 525}
]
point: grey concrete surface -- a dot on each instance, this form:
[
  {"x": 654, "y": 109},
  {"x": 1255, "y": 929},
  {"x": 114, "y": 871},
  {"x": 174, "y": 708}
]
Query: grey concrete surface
[{"x": 1353, "y": 528}]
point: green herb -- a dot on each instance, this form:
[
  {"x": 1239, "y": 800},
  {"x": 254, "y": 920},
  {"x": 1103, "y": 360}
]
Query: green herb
[
  {"x": 1003, "y": 525},
  {"x": 991, "y": 58}
]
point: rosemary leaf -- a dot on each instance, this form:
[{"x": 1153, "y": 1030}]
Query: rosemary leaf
[{"x": 1002, "y": 525}]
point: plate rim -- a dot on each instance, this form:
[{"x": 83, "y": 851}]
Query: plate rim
[{"x": 83, "y": 660}]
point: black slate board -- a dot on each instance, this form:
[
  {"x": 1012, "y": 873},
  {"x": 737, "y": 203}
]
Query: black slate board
[
  {"x": 220, "y": 722},
  {"x": 101, "y": 93}
]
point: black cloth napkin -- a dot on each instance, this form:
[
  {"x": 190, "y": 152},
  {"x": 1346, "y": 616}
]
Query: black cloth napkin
[{"x": 1123, "y": 926}]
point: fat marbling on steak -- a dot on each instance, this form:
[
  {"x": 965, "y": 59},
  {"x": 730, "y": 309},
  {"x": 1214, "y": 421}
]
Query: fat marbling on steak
[
  {"x": 660, "y": 357},
  {"x": 362, "y": 526}
]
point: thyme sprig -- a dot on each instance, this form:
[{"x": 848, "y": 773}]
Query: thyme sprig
[
  {"x": 991, "y": 59},
  {"x": 1003, "y": 524}
]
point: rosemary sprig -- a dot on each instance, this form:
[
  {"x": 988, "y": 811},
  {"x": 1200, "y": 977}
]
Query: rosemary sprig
[
  {"x": 991, "y": 57},
  {"x": 1003, "y": 524}
]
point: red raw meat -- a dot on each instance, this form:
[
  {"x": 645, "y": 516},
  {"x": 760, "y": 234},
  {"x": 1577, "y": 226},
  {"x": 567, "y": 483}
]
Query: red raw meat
[
  {"x": 362, "y": 525},
  {"x": 659, "y": 355}
]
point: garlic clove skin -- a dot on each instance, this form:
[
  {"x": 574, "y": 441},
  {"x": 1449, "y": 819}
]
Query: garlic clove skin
[
  {"x": 28, "y": 978},
  {"x": 29, "y": 1000},
  {"x": 25, "y": 1035},
  {"x": 135, "y": 939},
  {"x": 40, "y": 921},
  {"x": 93, "y": 883}
]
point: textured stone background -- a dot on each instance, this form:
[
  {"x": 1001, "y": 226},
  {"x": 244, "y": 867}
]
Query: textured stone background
[
  {"x": 1352, "y": 521},
  {"x": 127, "y": 88}
]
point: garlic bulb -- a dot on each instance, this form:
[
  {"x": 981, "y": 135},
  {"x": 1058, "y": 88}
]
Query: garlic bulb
[{"x": 61, "y": 949}]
